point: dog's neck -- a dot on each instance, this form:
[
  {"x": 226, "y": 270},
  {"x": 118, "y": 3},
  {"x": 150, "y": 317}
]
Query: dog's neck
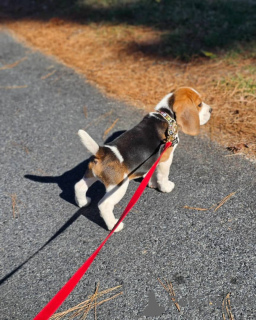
[{"x": 164, "y": 106}]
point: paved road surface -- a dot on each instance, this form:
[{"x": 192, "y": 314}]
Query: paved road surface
[{"x": 45, "y": 237}]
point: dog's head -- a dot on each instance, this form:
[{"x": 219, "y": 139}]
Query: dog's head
[{"x": 190, "y": 110}]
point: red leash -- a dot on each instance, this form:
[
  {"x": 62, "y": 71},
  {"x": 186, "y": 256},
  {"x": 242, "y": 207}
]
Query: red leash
[{"x": 60, "y": 297}]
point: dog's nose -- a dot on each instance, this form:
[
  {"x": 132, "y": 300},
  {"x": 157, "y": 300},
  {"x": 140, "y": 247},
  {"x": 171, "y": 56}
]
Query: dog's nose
[{"x": 210, "y": 110}]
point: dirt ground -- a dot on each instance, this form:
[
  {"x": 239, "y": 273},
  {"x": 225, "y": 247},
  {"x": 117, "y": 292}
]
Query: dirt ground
[{"x": 113, "y": 58}]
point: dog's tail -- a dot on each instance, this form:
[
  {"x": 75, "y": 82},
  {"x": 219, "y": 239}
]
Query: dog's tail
[{"x": 91, "y": 145}]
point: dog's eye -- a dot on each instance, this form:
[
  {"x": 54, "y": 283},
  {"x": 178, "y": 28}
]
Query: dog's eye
[{"x": 200, "y": 105}]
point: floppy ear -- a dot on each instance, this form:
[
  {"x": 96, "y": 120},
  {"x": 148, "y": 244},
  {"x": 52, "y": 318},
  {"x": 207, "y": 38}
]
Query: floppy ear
[{"x": 187, "y": 116}]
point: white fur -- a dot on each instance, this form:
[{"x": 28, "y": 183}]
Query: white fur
[
  {"x": 91, "y": 145},
  {"x": 195, "y": 91},
  {"x": 164, "y": 102},
  {"x": 162, "y": 173},
  {"x": 106, "y": 205},
  {"x": 159, "y": 178},
  {"x": 116, "y": 152},
  {"x": 204, "y": 113},
  {"x": 81, "y": 188},
  {"x": 154, "y": 114}
]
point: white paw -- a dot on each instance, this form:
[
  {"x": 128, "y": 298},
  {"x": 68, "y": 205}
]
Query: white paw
[
  {"x": 83, "y": 202},
  {"x": 119, "y": 228},
  {"x": 167, "y": 186}
]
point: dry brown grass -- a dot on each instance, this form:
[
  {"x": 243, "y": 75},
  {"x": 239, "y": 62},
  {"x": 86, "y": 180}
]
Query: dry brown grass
[{"x": 110, "y": 57}]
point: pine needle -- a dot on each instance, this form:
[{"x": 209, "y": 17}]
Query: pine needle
[
  {"x": 97, "y": 120},
  {"x": 85, "y": 111},
  {"x": 110, "y": 128},
  {"x": 14, "y": 205},
  {"x": 195, "y": 208},
  {"x": 226, "y": 306},
  {"x": 217, "y": 206},
  {"x": 95, "y": 307},
  {"x": 12, "y": 65},
  {"x": 48, "y": 75},
  {"x": 224, "y": 200},
  {"x": 13, "y": 87},
  {"x": 82, "y": 309},
  {"x": 169, "y": 288}
]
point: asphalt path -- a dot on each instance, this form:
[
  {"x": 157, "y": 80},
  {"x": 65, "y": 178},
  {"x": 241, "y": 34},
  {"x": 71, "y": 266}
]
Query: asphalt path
[{"x": 45, "y": 237}]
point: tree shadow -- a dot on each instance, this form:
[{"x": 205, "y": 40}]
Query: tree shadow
[{"x": 187, "y": 27}]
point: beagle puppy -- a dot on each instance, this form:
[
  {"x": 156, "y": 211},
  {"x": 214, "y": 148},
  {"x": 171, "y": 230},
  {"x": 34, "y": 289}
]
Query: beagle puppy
[{"x": 132, "y": 154}]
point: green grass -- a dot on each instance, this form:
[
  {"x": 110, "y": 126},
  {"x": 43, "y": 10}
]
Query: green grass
[
  {"x": 248, "y": 85},
  {"x": 242, "y": 80}
]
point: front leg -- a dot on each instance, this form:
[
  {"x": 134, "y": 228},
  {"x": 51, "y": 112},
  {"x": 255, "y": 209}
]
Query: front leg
[
  {"x": 106, "y": 205},
  {"x": 162, "y": 174}
]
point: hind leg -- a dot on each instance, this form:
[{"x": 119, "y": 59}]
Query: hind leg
[
  {"x": 81, "y": 188},
  {"x": 106, "y": 205}
]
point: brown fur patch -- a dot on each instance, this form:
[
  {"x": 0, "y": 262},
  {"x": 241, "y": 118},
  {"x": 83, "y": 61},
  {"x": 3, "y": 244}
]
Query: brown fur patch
[
  {"x": 107, "y": 168},
  {"x": 166, "y": 155}
]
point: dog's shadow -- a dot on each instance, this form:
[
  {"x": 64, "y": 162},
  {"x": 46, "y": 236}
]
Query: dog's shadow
[{"x": 68, "y": 179}]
